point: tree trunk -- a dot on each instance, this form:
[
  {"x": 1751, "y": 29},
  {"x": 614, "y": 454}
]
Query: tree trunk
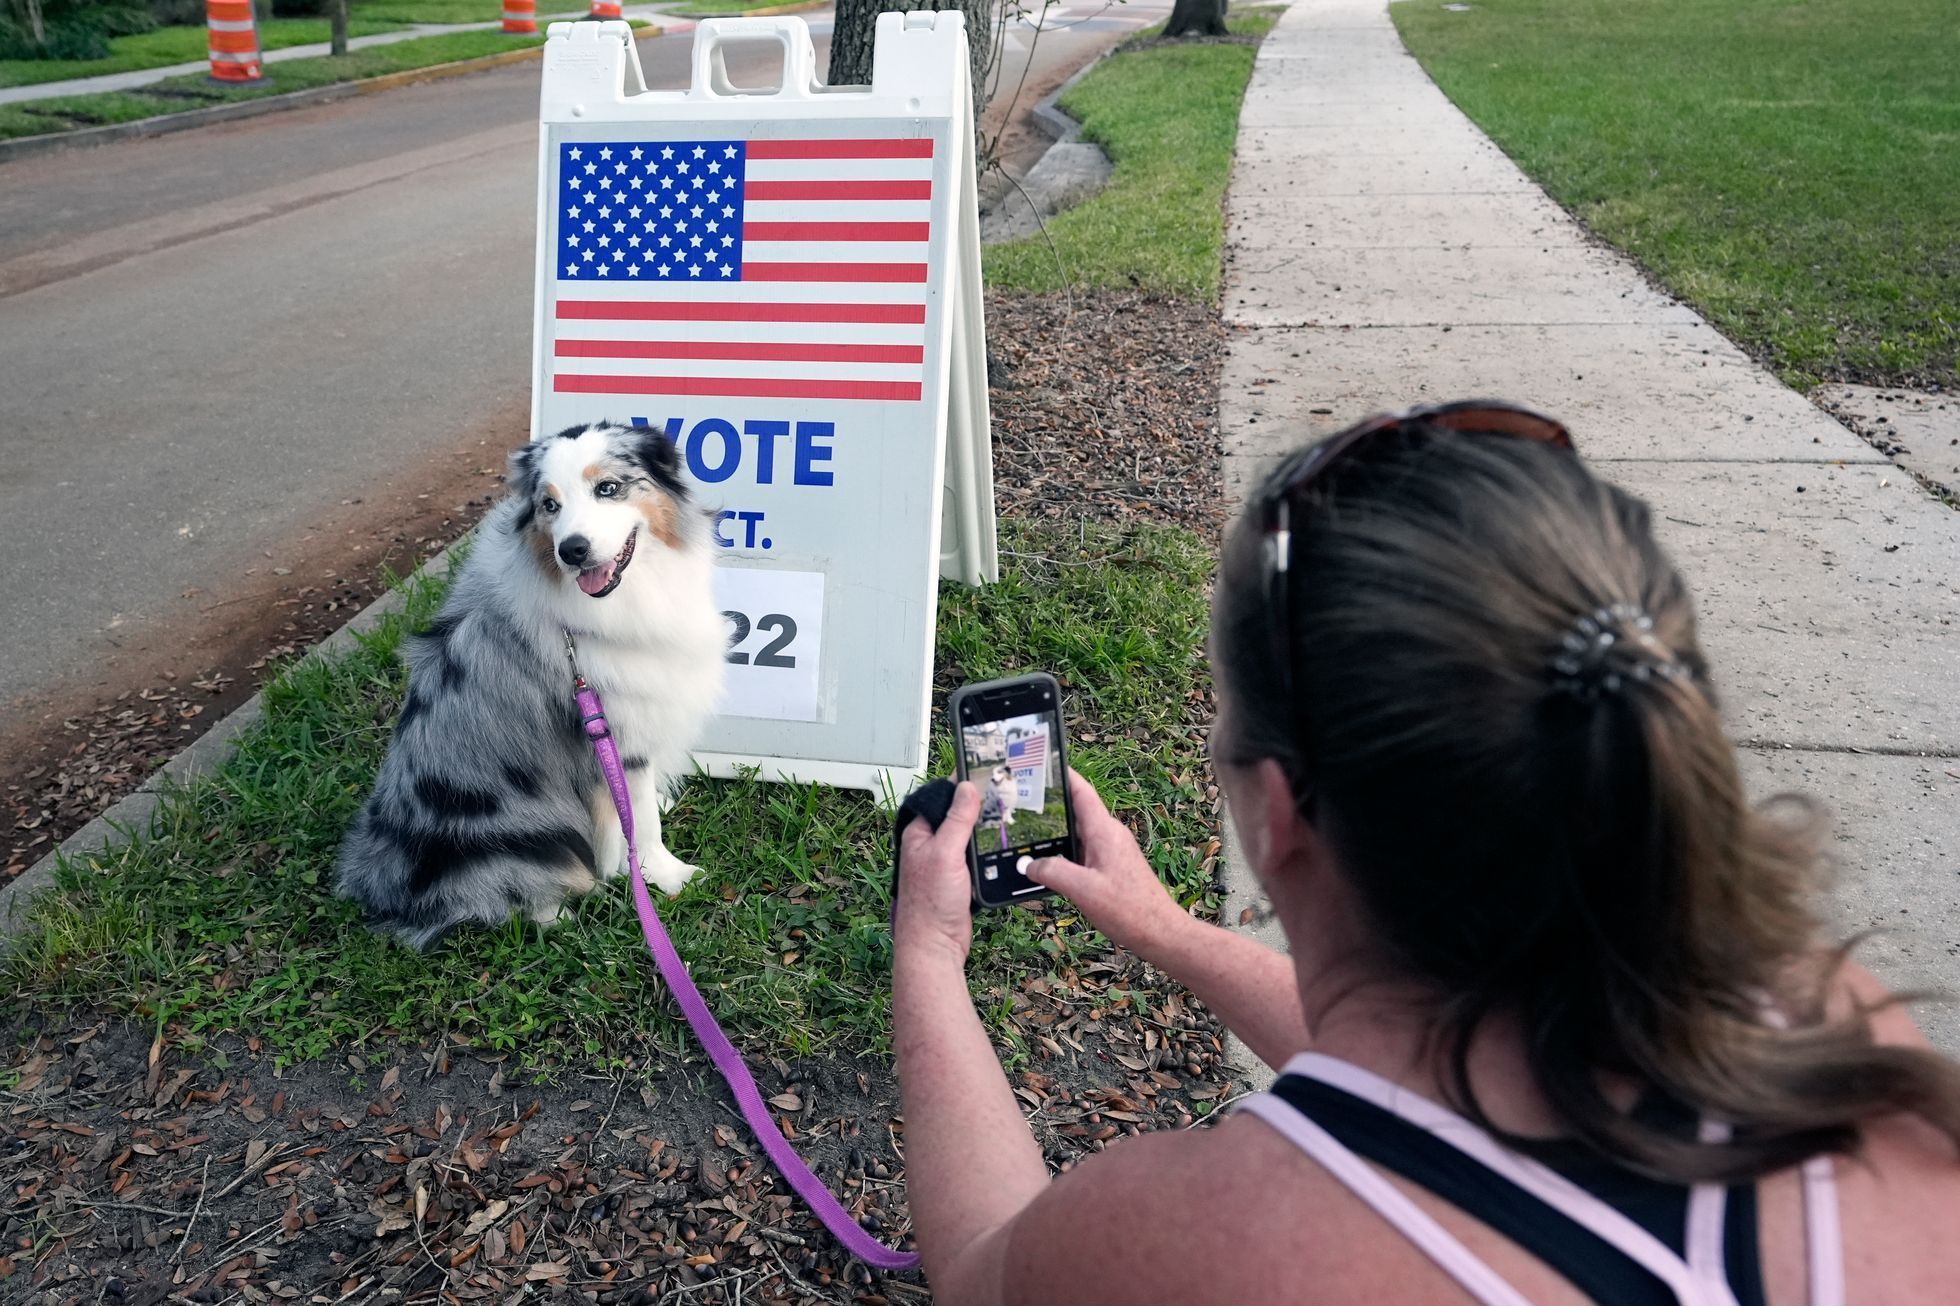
[
  {"x": 337, "y": 10},
  {"x": 855, "y": 26},
  {"x": 1196, "y": 18}
]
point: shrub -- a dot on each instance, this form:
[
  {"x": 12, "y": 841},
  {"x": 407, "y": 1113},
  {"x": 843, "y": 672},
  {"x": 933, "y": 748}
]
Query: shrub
[
  {"x": 67, "y": 29},
  {"x": 177, "y": 13}
]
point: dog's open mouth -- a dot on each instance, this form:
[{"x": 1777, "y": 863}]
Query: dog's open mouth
[{"x": 604, "y": 579}]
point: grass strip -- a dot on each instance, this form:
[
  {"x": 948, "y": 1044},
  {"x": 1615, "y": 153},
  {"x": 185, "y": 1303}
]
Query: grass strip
[
  {"x": 453, "y": 11},
  {"x": 176, "y": 94},
  {"x": 169, "y": 45},
  {"x": 1167, "y": 114},
  {"x": 1788, "y": 168},
  {"x": 722, "y": 8},
  {"x": 223, "y": 919}
]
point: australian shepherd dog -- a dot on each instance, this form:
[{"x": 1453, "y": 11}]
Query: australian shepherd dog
[
  {"x": 490, "y": 800},
  {"x": 997, "y": 801}
]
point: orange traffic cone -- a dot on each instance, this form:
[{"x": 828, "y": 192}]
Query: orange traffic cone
[
  {"x": 520, "y": 17},
  {"x": 605, "y": 9},
  {"x": 234, "y": 41}
]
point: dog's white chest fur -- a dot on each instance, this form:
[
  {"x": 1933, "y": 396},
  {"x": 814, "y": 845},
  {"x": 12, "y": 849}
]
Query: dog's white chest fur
[{"x": 659, "y": 690}]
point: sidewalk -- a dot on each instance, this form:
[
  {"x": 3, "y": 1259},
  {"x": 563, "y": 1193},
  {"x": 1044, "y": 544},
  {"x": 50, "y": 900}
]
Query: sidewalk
[
  {"x": 1381, "y": 252},
  {"x": 141, "y": 77}
]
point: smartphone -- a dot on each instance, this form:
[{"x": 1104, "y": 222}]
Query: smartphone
[{"x": 1008, "y": 735}]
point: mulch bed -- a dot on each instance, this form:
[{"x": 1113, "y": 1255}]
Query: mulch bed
[
  {"x": 1105, "y": 408},
  {"x": 409, "y": 1174},
  {"x": 143, "y": 1172}
]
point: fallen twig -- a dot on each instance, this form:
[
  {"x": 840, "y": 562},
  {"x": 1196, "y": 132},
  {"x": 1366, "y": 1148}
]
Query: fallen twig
[
  {"x": 251, "y": 1169},
  {"x": 130, "y": 1206},
  {"x": 203, "y": 1186}
]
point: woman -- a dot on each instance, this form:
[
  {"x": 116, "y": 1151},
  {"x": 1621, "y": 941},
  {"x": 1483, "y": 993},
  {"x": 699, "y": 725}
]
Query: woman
[{"x": 1574, "y": 1037}]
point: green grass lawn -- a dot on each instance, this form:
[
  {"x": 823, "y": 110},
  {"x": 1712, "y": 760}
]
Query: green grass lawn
[
  {"x": 168, "y": 45},
  {"x": 176, "y": 94},
  {"x": 715, "y": 8},
  {"x": 453, "y": 11},
  {"x": 1167, "y": 115},
  {"x": 1790, "y": 167},
  {"x": 224, "y": 920}
]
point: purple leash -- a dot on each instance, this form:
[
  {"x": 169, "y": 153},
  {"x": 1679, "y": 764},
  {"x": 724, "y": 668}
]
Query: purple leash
[{"x": 734, "y": 1071}]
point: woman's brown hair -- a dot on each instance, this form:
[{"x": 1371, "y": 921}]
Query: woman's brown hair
[{"x": 1568, "y": 844}]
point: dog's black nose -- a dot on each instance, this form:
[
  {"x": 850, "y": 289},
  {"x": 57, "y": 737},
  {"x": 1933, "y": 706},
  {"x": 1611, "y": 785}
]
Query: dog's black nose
[{"x": 574, "y": 550}]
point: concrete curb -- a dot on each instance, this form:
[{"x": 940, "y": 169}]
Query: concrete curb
[
  {"x": 205, "y": 754},
  {"x": 163, "y": 124},
  {"x": 1006, "y": 214},
  {"x": 1048, "y": 111}
]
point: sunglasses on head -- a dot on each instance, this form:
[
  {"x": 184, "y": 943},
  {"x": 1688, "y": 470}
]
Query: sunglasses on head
[{"x": 1471, "y": 417}]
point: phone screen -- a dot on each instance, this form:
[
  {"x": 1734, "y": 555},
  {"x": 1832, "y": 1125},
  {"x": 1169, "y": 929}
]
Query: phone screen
[{"x": 1016, "y": 762}]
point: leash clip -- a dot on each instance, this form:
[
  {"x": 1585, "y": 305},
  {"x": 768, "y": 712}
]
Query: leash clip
[{"x": 571, "y": 656}]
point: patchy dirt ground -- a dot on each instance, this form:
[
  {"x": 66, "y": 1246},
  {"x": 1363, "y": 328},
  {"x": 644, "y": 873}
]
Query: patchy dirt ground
[
  {"x": 140, "y": 1171},
  {"x": 139, "y": 1174}
]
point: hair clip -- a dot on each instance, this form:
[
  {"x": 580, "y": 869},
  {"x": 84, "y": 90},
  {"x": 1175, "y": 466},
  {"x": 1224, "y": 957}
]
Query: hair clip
[{"x": 1601, "y": 651}]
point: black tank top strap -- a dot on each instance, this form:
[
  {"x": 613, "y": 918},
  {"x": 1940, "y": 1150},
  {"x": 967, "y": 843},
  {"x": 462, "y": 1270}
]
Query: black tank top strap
[{"x": 1594, "y": 1266}]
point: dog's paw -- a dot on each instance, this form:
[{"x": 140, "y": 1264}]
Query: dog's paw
[{"x": 667, "y": 872}]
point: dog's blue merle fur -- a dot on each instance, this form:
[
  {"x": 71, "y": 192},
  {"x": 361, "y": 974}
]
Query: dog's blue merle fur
[{"x": 483, "y": 806}]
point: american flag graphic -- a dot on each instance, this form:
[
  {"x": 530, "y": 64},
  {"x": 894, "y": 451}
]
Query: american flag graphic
[
  {"x": 777, "y": 269},
  {"x": 1028, "y": 751}
]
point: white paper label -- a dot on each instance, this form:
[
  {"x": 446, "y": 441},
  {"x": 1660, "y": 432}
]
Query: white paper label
[{"x": 775, "y": 638}]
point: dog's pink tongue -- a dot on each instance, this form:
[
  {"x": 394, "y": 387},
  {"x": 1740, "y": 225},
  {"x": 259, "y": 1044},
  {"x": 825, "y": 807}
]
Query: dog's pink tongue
[{"x": 596, "y": 579}]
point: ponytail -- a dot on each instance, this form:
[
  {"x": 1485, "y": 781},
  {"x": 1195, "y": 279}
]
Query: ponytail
[{"x": 1508, "y": 725}]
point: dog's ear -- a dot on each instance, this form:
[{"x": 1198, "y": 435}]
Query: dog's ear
[
  {"x": 660, "y": 458},
  {"x": 523, "y": 469}
]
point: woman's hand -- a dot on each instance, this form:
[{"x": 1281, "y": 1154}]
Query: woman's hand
[
  {"x": 1114, "y": 885},
  {"x": 934, "y": 913}
]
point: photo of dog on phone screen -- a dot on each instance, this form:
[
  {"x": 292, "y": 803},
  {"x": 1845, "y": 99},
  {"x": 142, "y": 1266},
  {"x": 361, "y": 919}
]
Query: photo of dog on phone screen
[{"x": 997, "y": 802}]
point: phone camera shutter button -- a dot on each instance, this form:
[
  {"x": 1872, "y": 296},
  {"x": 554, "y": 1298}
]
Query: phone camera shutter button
[{"x": 1023, "y": 863}]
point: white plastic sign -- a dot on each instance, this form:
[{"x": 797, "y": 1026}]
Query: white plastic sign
[
  {"x": 1027, "y": 757},
  {"x": 786, "y": 283}
]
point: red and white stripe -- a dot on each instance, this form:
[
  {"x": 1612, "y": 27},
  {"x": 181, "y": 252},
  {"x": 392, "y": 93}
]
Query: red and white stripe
[
  {"x": 1028, "y": 752},
  {"x": 831, "y": 305}
]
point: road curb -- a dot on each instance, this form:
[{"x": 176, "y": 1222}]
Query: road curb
[
  {"x": 131, "y": 817},
  {"x": 1048, "y": 111},
  {"x": 163, "y": 124}
]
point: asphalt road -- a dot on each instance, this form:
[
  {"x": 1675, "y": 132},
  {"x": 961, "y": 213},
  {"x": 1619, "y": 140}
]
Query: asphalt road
[{"x": 219, "y": 348}]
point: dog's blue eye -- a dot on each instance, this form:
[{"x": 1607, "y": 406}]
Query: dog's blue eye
[
  {"x": 550, "y": 506},
  {"x": 606, "y": 489}
]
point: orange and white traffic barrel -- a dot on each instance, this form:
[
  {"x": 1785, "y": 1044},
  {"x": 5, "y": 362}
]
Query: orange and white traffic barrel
[
  {"x": 234, "y": 41},
  {"x": 520, "y": 17},
  {"x": 605, "y": 9}
]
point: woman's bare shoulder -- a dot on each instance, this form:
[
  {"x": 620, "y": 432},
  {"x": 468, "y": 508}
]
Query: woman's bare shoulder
[
  {"x": 1203, "y": 1214},
  {"x": 1855, "y": 989}
]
